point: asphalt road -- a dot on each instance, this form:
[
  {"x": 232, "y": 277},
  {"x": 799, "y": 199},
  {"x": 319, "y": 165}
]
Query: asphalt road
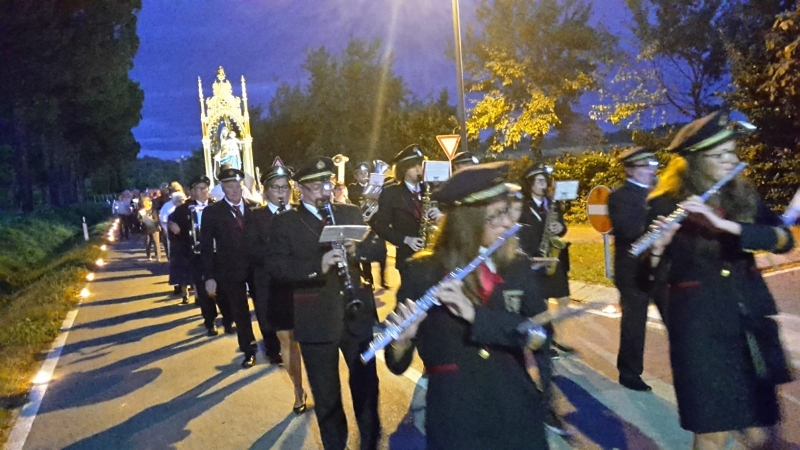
[{"x": 137, "y": 371}]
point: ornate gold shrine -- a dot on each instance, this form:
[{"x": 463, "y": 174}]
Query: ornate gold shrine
[{"x": 218, "y": 113}]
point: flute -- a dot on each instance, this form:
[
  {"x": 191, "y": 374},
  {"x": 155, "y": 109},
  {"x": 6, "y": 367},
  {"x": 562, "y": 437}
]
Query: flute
[
  {"x": 428, "y": 300},
  {"x": 649, "y": 238}
]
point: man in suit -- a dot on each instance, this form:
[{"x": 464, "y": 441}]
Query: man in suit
[
  {"x": 400, "y": 207},
  {"x": 183, "y": 249},
  {"x": 627, "y": 209},
  {"x": 228, "y": 270},
  {"x": 324, "y": 325},
  {"x": 277, "y": 193},
  {"x": 355, "y": 191}
]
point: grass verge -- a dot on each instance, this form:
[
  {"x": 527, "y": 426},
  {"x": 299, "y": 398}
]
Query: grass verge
[
  {"x": 30, "y": 319},
  {"x": 586, "y": 263}
]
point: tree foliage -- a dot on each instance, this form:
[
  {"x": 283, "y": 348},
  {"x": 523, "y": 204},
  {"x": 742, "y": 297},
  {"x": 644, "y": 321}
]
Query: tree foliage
[
  {"x": 67, "y": 105},
  {"x": 531, "y": 61}
]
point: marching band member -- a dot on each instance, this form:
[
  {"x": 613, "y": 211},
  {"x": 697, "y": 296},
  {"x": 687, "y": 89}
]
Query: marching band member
[
  {"x": 273, "y": 301},
  {"x": 184, "y": 249},
  {"x": 355, "y": 191},
  {"x": 322, "y": 324},
  {"x": 725, "y": 350},
  {"x": 400, "y": 207},
  {"x": 479, "y": 394},
  {"x": 627, "y": 209},
  {"x": 227, "y": 270},
  {"x": 462, "y": 160}
]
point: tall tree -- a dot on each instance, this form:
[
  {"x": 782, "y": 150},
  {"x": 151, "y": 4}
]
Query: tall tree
[{"x": 531, "y": 61}]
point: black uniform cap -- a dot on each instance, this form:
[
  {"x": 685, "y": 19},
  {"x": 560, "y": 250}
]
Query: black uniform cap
[
  {"x": 465, "y": 158},
  {"x": 197, "y": 180},
  {"x": 708, "y": 132},
  {"x": 637, "y": 156},
  {"x": 363, "y": 165},
  {"x": 475, "y": 185},
  {"x": 317, "y": 168},
  {"x": 230, "y": 174},
  {"x": 413, "y": 151},
  {"x": 275, "y": 172},
  {"x": 536, "y": 169}
]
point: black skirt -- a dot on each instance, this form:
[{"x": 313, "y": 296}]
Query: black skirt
[
  {"x": 180, "y": 271},
  {"x": 280, "y": 308}
]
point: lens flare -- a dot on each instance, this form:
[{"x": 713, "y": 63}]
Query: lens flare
[{"x": 90, "y": 276}]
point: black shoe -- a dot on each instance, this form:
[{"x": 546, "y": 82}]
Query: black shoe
[
  {"x": 249, "y": 361},
  {"x": 185, "y": 300},
  {"x": 176, "y": 290},
  {"x": 275, "y": 359},
  {"x": 554, "y": 423},
  {"x": 229, "y": 329},
  {"x": 564, "y": 348},
  {"x": 212, "y": 331},
  {"x": 301, "y": 408},
  {"x": 635, "y": 384},
  {"x": 554, "y": 354}
]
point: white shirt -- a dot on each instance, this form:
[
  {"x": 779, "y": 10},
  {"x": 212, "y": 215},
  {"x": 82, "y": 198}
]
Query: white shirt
[
  {"x": 199, "y": 210},
  {"x": 414, "y": 188},
  {"x": 163, "y": 215},
  {"x": 240, "y": 206},
  {"x": 488, "y": 261},
  {"x": 313, "y": 209},
  {"x": 273, "y": 208}
]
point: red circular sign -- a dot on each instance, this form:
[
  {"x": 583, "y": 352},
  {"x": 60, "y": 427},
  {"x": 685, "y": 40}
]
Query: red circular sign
[{"x": 597, "y": 209}]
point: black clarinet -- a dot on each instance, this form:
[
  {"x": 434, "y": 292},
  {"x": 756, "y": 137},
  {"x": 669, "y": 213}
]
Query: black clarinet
[{"x": 352, "y": 303}]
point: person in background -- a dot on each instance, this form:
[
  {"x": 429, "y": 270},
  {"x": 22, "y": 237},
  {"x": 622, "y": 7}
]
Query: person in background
[
  {"x": 462, "y": 160},
  {"x": 340, "y": 194},
  {"x": 355, "y": 191},
  {"x": 627, "y": 209},
  {"x": 150, "y": 227}
]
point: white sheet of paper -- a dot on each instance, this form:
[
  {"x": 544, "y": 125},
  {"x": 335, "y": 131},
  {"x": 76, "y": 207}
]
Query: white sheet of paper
[
  {"x": 337, "y": 233},
  {"x": 376, "y": 179},
  {"x": 436, "y": 171},
  {"x": 565, "y": 190}
]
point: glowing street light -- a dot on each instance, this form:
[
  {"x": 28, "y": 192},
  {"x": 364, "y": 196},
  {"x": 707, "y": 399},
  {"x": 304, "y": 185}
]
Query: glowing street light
[
  {"x": 90, "y": 276},
  {"x": 84, "y": 293},
  {"x": 99, "y": 262},
  {"x": 104, "y": 247}
]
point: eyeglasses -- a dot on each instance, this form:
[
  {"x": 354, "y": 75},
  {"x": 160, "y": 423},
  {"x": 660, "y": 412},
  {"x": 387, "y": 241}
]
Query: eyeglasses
[
  {"x": 319, "y": 186},
  {"x": 721, "y": 155},
  {"x": 496, "y": 219},
  {"x": 280, "y": 188}
]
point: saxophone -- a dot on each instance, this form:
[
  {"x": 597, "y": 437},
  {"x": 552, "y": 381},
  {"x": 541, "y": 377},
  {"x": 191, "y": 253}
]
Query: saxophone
[{"x": 551, "y": 245}]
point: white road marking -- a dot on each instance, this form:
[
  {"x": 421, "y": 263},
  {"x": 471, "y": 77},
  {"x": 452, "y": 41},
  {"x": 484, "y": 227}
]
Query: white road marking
[
  {"x": 22, "y": 427},
  {"x": 780, "y": 272}
]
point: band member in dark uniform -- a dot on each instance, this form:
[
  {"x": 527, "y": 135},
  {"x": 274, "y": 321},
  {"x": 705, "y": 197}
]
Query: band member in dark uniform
[
  {"x": 479, "y": 394},
  {"x": 725, "y": 350},
  {"x": 274, "y": 302},
  {"x": 400, "y": 207},
  {"x": 627, "y": 209},
  {"x": 323, "y": 324},
  {"x": 462, "y": 160},
  {"x": 355, "y": 190},
  {"x": 186, "y": 248},
  {"x": 227, "y": 271}
]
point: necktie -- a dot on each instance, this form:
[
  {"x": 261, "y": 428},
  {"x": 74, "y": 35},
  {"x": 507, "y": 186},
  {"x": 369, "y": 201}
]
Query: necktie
[
  {"x": 282, "y": 207},
  {"x": 488, "y": 281},
  {"x": 237, "y": 213}
]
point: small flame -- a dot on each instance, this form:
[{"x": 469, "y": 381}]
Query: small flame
[
  {"x": 90, "y": 276},
  {"x": 84, "y": 293},
  {"x": 104, "y": 247},
  {"x": 99, "y": 262}
]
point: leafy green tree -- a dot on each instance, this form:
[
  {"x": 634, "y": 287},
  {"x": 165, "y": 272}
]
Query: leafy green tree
[{"x": 531, "y": 61}]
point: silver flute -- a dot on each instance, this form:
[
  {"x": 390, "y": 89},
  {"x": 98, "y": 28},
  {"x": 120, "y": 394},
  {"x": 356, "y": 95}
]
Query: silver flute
[
  {"x": 428, "y": 300},
  {"x": 649, "y": 238}
]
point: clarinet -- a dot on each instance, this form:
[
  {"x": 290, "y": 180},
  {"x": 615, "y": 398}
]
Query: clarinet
[
  {"x": 352, "y": 304},
  {"x": 428, "y": 300},
  {"x": 649, "y": 238}
]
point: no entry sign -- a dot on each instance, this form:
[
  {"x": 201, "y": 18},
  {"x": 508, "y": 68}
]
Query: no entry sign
[{"x": 597, "y": 209}]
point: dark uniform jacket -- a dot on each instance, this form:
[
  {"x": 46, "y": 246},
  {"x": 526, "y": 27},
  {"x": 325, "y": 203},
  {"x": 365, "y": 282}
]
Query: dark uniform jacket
[
  {"x": 530, "y": 238},
  {"x": 257, "y": 231},
  {"x": 295, "y": 256},
  {"x": 476, "y": 402},
  {"x": 221, "y": 227},
  {"x": 398, "y": 216},
  {"x": 355, "y": 192},
  {"x": 181, "y": 243},
  {"x": 627, "y": 209},
  {"x": 712, "y": 278}
]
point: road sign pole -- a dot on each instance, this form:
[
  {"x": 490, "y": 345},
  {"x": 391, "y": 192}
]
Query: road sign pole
[{"x": 607, "y": 255}]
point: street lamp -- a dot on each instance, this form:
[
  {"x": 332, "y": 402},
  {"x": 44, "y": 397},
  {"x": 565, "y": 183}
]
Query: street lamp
[{"x": 461, "y": 113}]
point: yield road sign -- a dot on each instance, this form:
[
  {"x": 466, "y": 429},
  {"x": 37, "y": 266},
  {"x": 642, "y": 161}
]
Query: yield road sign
[
  {"x": 597, "y": 209},
  {"x": 277, "y": 162},
  {"x": 449, "y": 143}
]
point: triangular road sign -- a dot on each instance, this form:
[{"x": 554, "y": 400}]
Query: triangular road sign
[
  {"x": 277, "y": 162},
  {"x": 449, "y": 143}
]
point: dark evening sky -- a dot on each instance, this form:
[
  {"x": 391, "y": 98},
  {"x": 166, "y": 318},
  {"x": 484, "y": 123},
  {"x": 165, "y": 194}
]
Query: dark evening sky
[{"x": 265, "y": 41}]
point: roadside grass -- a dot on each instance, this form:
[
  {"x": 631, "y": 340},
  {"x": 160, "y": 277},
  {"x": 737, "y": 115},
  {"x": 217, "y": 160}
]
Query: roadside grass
[
  {"x": 44, "y": 284},
  {"x": 587, "y": 264}
]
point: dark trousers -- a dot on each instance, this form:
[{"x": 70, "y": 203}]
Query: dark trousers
[
  {"x": 272, "y": 346},
  {"x": 207, "y": 304},
  {"x": 545, "y": 365},
  {"x": 235, "y": 293},
  {"x": 150, "y": 240},
  {"x": 633, "y": 325},
  {"x": 322, "y": 368},
  {"x": 124, "y": 226}
]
